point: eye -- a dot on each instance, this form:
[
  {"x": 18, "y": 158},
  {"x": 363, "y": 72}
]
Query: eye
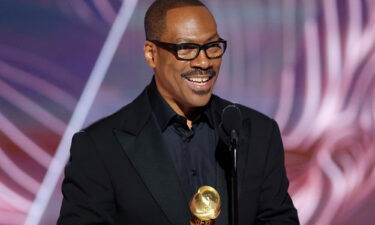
[
  {"x": 215, "y": 50},
  {"x": 187, "y": 51}
]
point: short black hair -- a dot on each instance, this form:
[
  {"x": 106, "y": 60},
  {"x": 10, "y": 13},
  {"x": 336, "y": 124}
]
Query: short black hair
[{"x": 155, "y": 16}]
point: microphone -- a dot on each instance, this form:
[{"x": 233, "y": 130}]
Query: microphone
[{"x": 231, "y": 122}]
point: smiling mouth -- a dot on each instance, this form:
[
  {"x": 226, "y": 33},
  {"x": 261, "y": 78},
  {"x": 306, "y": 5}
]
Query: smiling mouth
[{"x": 199, "y": 80}]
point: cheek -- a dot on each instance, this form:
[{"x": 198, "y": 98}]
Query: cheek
[
  {"x": 173, "y": 68},
  {"x": 217, "y": 64}
]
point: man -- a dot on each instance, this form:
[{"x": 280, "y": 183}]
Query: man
[{"x": 143, "y": 164}]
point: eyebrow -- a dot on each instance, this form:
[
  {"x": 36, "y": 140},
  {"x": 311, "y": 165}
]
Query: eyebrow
[{"x": 187, "y": 40}]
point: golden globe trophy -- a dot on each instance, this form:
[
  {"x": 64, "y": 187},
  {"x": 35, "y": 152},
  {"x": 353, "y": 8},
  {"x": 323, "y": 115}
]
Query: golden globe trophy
[{"x": 205, "y": 206}]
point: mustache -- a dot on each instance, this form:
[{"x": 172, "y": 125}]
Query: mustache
[{"x": 197, "y": 71}]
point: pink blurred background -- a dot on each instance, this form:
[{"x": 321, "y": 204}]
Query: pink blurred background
[{"x": 307, "y": 63}]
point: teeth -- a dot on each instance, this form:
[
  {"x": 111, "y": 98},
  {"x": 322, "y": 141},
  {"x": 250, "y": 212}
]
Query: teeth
[{"x": 198, "y": 79}]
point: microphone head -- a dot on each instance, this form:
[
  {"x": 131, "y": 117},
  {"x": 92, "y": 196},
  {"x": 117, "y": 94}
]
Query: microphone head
[{"x": 231, "y": 119}]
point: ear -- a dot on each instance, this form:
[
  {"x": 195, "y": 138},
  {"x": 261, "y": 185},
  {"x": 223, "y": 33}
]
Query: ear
[{"x": 149, "y": 50}]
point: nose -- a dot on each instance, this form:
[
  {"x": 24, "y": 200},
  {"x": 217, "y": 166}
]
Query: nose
[{"x": 201, "y": 61}]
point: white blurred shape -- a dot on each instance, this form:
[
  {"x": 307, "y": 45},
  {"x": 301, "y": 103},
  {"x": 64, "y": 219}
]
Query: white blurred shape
[
  {"x": 23, "y": 142},
  {"x": 82, "y": 109}
]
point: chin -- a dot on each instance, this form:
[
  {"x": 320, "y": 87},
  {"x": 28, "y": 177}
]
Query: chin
[{"x": 200, "y": 100}]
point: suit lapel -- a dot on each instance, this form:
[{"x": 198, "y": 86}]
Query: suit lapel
[
  {"x": 223, "y": 158},
  {"x": 244, "y": 140},
  {"x": 222, "y": 188},
  {"x": 143, "y": 144},
  {"x": 222, "y": 166},
  {"x": 243, "y": 149},
  {"x": 148, "y": 155}
]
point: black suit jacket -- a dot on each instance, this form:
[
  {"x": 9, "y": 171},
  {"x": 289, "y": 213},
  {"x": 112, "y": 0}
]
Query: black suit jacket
[{"x": 119, "y": 172}]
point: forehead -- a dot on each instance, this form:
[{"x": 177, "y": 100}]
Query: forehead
[{"x": 189, "y": 24}]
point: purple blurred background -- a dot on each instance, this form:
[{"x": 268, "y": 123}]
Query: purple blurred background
[{"x": 307, "y": 63}]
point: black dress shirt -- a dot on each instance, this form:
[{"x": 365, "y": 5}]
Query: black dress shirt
[{"x": 192, "y": 150}]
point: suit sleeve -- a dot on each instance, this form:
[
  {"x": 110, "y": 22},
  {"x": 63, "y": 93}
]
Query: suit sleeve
[
  {"x": 88, "y": 196},
  {"x": 275, "y": 206}
]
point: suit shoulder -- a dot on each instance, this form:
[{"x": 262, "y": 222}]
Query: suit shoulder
[
  {"x": 246, "y": 112},
  {"x": 130, "y": 114},
  {"x": 107, "y": 123}
]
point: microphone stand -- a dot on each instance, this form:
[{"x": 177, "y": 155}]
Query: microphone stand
[{"x": 233, "y": 143}]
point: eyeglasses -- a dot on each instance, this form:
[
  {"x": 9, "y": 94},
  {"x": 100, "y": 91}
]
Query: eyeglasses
[{"x": 190, "y": 51}]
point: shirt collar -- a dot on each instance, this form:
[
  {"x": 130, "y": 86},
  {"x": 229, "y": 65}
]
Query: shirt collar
[{"x": 164, "y": 113}]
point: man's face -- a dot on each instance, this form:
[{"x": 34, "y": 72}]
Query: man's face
[{"x": 187, "y": 84}]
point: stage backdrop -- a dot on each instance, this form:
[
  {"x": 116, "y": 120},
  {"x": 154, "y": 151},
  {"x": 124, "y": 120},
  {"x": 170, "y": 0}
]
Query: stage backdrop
[{"x": 309, "y": 64}]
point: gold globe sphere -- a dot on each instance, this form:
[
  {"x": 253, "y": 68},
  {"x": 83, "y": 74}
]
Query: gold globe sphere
[{"x": 206, "y": 203}]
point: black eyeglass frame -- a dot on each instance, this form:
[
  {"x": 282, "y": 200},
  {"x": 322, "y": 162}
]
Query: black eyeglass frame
[{"x": 173, "y": 48}]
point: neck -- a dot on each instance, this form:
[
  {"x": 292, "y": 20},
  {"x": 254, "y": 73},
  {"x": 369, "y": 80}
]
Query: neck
[{"x": 190, "y": 113}]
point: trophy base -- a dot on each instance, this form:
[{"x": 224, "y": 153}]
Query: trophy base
[{"x": 196, "y": 221}]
